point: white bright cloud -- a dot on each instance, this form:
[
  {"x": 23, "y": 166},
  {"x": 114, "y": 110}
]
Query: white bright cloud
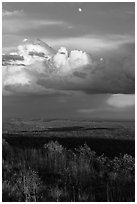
[
  {"x": 72, "y": 61},
  {"x": 121, "y": 100},
  {"x": 60, "y": 59},
  {"x": 19, "y": 78},
  {"x": 6, "y": 13},
  {"x": 37, "y": 66}
]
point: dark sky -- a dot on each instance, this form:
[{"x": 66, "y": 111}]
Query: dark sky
[
  {"x": 101, "y": 29},
  {"x": 84, "y": 106}
]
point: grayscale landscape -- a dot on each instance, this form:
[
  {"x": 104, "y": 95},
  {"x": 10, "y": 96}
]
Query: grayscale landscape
[{"x": 68, "y": 102}]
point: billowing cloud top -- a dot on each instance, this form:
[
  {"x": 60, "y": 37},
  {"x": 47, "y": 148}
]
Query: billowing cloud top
[{"x": 36, "y": 68}]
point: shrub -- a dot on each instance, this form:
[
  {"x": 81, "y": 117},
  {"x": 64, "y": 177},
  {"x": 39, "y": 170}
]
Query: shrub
[{"x": 53, "y": 173}]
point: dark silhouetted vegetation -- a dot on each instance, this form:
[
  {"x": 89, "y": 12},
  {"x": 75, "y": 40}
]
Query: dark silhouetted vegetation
[{"x": 54, "y": 173}]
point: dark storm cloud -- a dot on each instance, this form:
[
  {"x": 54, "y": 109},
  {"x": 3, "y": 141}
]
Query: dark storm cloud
[{"x": 114, "y": 75}]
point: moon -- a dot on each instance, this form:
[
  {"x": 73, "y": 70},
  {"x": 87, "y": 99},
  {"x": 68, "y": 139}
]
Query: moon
[{"x": 79, "y": 9}]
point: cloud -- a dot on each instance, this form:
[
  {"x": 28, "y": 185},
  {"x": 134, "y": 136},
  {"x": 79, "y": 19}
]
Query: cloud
[
  {"x": 36, "y": 67},
  {"x": 92, "y": 43},
  {"x": 33, "y": 52},
  {"x": 20, "y": 80},
  {"x": 69, "y": 62},
  {"x": 14, "y": 26},
  {"x": 116, "y": 103},
  {"x": 44, "y": 70},
  {"x": 107, "y": 76},
  {"x": 6, "y": 13},
  {"x": 121, "y": 100}
]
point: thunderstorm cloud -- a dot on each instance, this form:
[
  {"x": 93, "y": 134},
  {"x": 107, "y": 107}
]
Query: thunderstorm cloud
[{"x": 37, "y": 68}]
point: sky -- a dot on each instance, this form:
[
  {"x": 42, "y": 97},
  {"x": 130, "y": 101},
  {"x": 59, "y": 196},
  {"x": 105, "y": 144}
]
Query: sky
[{"x": 94, "y": 78}]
